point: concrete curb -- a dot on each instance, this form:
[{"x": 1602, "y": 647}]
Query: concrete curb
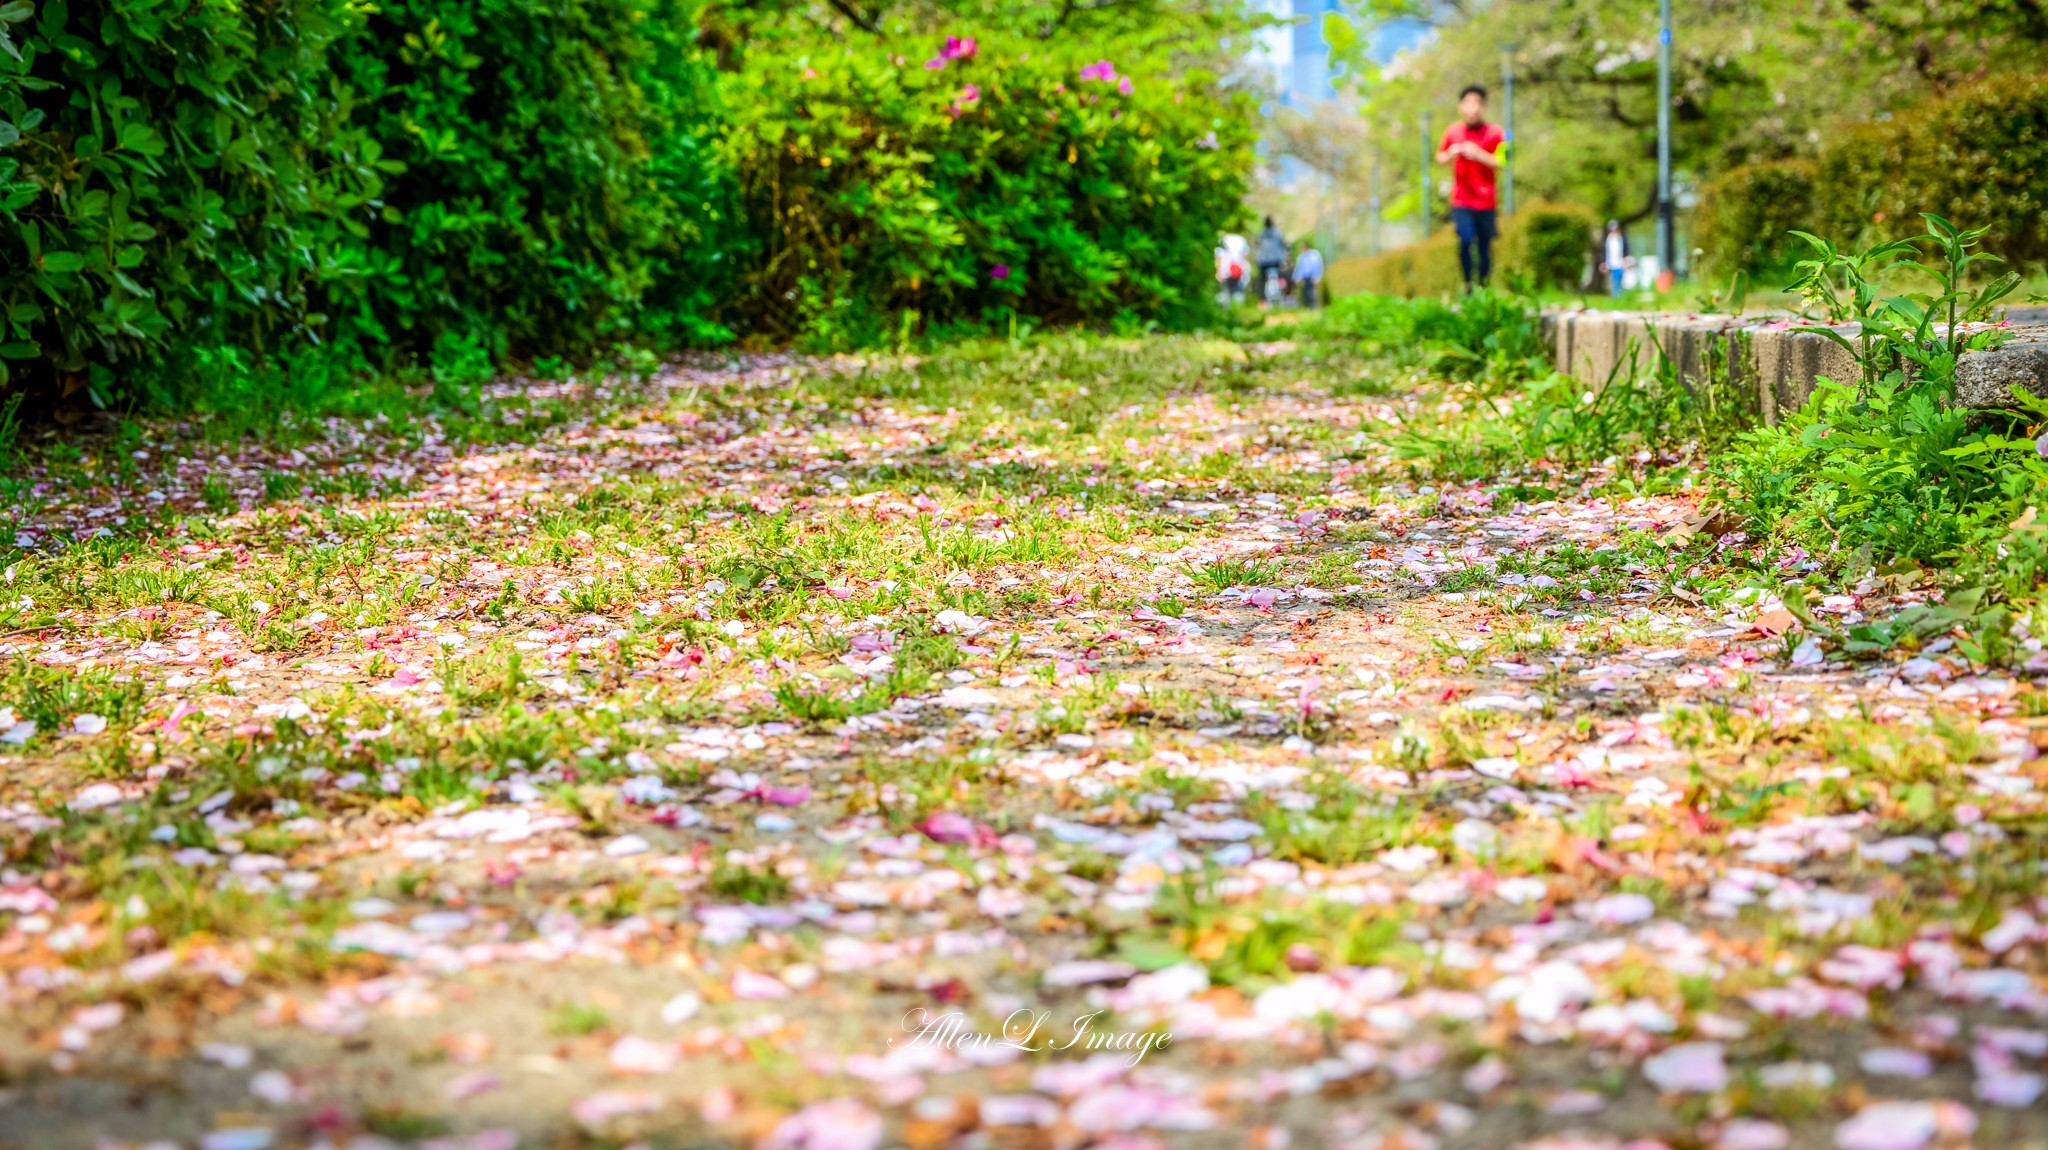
[{"x": 1764, "y": 352}]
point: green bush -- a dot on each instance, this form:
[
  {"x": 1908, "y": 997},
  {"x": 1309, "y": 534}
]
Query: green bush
[
  {"x": 1461, "y": 338},
  {"x": 1976, "y": 154},
  {"x": 1422, "y": 270},
  {"x": 165, "y": 175},
  {"x": 1548, "y": 245},
  {"x": 552, "y": 188},
  {"x": 229, "y": 201},
  {"x": 886, "y": 194},
  {"x": 302, "y": 202},
  {"x": 1543, "y": 246},
  {"x": 1743, "y": 217}
]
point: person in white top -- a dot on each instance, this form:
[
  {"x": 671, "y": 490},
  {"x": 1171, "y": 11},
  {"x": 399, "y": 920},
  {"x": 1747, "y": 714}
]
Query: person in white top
[
  {"x": 1615, "y": 257},
  {"x": 1232, "y": 260}
]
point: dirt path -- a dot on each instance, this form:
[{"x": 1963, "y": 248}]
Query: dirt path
[{"x": 738, "y": 764}]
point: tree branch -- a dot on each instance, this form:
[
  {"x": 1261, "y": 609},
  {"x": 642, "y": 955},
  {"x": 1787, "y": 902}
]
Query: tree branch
[{"x": 869, "y": 23}]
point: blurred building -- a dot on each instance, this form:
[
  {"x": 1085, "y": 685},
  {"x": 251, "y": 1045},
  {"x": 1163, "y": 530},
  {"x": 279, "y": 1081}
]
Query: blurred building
[{"x": 1299, "y": 55}]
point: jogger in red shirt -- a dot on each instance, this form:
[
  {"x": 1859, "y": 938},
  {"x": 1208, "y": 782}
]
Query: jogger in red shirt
[{"x": 1473, "y": 149}]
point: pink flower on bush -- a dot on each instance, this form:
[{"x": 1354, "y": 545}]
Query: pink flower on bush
[
  {"x": 956, "y": 48},
  {"x": 999, "y": 272},
  {"x": 1101, "y": 70},
  {"x": 1124, "y": 86}
]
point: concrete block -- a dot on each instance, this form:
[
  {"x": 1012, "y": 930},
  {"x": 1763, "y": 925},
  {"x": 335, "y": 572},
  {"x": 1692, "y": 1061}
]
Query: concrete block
[
  {"x": 1989, "y": 378},
  {"x": 1768, "y": 353}
]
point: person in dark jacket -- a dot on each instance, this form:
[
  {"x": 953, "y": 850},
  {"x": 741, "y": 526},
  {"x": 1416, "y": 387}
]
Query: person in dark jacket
[{"x": 1270, "y": 250}]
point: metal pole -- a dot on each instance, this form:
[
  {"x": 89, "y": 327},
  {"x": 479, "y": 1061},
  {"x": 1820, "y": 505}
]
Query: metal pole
[
  {"x": 1428, "y": 158},
  {"x": 1665, "y": 244},
  {"x": 1507, "y": 128}
]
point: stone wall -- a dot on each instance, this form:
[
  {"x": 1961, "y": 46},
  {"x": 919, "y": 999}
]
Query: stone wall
[{"x": 1766, "y": 352}]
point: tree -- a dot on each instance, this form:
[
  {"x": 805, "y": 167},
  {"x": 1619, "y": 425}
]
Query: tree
[{"x": 1752, "y": 79}]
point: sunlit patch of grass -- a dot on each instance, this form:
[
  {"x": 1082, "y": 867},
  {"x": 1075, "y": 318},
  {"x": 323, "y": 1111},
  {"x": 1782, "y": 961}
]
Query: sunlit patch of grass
[
  {"x": 1344, "y": 826},
  {"x": 761, "y": 884},
  {"x": 1221, "y": 574},
  {"x": 51, "y": 697}
]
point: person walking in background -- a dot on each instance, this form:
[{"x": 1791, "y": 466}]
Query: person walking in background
[
  {"x": 1472, "y": 147},
  {"x": 1308, "y": 274},
  {"x": 1271, "y": 251},
  {"x": 1232, "y": 261},
  {"x": 1614, "y": 257}
]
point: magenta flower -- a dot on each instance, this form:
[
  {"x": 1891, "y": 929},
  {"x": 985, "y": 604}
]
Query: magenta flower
[
  {"x": 999, "y": 272},
  {"x": 958, "y": 48},
  {"x": 1125, "y": 86},
  {"x": 935, "y": 63},
  {"x": 2041, "y": 445},
  {"x": 970, "y": 93},
  {"x": 1101, "y": 70}
]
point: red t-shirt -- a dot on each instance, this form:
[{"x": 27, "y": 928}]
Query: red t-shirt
[{"x": 1473, "y": 183}]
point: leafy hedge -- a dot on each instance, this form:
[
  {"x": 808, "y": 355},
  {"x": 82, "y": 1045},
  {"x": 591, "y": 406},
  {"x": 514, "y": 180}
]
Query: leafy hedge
[
  {"x": 163, "y": 172},
  {"x": 231, "y": 200},
  {"x": 1545, "y": 245},
  {"x": 1006, "y": 173},
  {"x": 257, "y": 205},
  {"x": 552, "y": 188},
  {"x": 1743, "y": 216},
  {"x": 1977, "y": 154},
  {"x": 247, "y": 204}
]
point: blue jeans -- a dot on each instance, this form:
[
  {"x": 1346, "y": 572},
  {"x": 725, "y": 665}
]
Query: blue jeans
[
  {"x": 1614, "y": 276},
  {"x": 1476, "y": 229}
]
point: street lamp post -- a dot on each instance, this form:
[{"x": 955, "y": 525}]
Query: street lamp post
[
  {"x": 1665, "y": 231},
  {"x": 1428, "y": 159},
  {"x": 1507, "y": 128}
]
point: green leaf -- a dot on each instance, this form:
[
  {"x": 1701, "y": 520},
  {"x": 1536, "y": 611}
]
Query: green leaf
[
  {"x": 63, "y": 262},
  {"x": 142, "y": 139},
  {"x": 16, "y": 11},
  {"x": 20, "y": 349},
  {"x": 8, "y": 133}
]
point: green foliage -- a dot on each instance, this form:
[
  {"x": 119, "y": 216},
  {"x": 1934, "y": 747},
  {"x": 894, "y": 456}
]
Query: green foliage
[
  {"x": 1547, "y": 245},
  {"x": 1541, "y": 247},
  {"x": 241, "y": 207},
  {"x": 1516, "y": 410},
  {"x": 1753, "y": 81},
  {"x": 551, "y": 186},
  {"x": 1424, "y": 270},
  {"x": 225, "y": 203},
  {"x": 165, "y": 176},
  {"x": 1887, "y": 469},
  {"x": 1746, "y": 215},
  {"x": 1975, "y": 153},
  {"x": 889, "y": 194},
  {"x": 1486, "y": 329}
]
